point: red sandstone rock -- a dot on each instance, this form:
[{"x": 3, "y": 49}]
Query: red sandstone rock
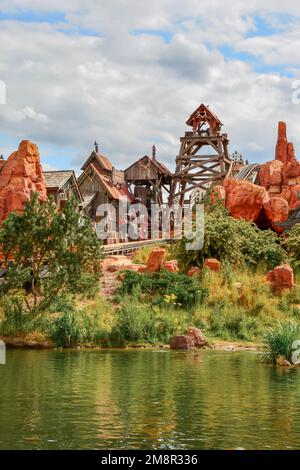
[
  {"x": 281, "y": 152},
  {"x": 193, "y": 271},
  {"x": 156, "y": 260},
  {"x": 291, "y": 152},
  {"x": 277, "y": 210},
  {"x": 270, "y": 174},
  {"x": 199, "y": 339},
  {"x": 182, "y": 342},
  {"x": 21, "y": 175},
  {"x": 244, "y": 200},
  {"x": 282, "y": 277},
  {"x": 291, "y": 173},
  {"x": 212, "y": 264},
  {"x": 217, "y": 194},
  {"x": 171, "y": 266}
]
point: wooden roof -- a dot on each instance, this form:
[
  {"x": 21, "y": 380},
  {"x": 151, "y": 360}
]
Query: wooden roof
[
  {"x": 56, "y": 180},
  {"x": 101, "y": 159},
  {"x": 209, "y": 112},
  {"x": 158, "y": 164}
]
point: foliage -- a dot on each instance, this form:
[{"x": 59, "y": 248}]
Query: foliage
[
  {"x": 292, "y": 244},
  {"x": 278, "y": 341},
  {"x": 166, "y": 288},
  {"x": 235, "y": 242},
  {"x": 49, "y": 253}
]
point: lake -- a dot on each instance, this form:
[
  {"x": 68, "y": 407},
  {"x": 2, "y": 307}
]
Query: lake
[{"x": 147, "y": 399}]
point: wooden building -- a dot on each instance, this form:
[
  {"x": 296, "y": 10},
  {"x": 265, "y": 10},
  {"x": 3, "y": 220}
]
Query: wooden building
[
  {"x": 61, "y": 185},
  {"x": 148, "y": 178},
  {"x": 101, "y": 183}
]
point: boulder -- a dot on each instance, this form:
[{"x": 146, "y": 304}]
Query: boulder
[
  {"x": 277, "y": 210},
  {"x": 270, "y": 174},
  {"x": 213, "y": 264},
  {"x": 156, "y": 260},
  {"x": 21, "y": 175},
  {"x": 244, "y": 200},
  {"x": 291, "y": 173},
  {"x": 193, "y": 271},
  {"x": 281, "y": 278},
  {"x": 171, "y": 266},
  {"x": 199, "y": 339},
  {"x": 182, "y": 342}
]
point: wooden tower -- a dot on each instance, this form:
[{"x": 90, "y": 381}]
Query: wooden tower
[{"x": 203, "y": 159}]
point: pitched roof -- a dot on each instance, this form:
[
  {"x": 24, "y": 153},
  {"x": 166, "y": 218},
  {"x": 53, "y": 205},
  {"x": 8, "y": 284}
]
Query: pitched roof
[
  {"x": 115, "y": 191},
  {"x": 56, "y": 179},
  {"x": 189, "y": 122},
  {"x": 101, "y": 159},
  {"x": 159, "y": 165}
]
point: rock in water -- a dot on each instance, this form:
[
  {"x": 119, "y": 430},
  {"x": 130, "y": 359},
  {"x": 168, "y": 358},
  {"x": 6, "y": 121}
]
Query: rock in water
[
  {"x": 199, "y": 339},
  {"x": 20, "y": 176},
  {"x": 182, "y": 342}
]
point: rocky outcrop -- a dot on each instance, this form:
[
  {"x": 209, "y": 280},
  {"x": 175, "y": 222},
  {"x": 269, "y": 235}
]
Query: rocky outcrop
[
  {"x": 281, "y": 152},
  {"x": 156, "y": 260},
  {"x": 244, "y": 200},
  {"x": 194, "y": 271},
  {"x": 171, "y": 266},
  {"x": 281, "y": 278},
  {"x": 182, "y": 342},
  {"x": 213, "y": 264},
  {"x": 276, "y": 211},
  {"x": 270, "y": 175},
  {"x": 199, "y": 339},
  {"x": 20, "y": 176}
]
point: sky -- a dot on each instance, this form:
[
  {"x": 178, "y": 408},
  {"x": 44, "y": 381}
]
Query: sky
[{"x": 128, "y": 74}]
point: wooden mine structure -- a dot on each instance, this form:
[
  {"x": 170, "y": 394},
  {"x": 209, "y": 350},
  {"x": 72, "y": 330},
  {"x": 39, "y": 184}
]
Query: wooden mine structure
[
  {"x": 195, "y": 169},
  {"x": 148, "y": 178}
]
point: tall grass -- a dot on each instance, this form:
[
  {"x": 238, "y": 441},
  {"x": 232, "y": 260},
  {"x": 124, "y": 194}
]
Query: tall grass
[{"x": 279, "y": 340}]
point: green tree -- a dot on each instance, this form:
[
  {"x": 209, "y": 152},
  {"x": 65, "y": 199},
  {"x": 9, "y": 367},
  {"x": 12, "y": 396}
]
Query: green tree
[
  {"x": 49, "y": 252},
  {"x": 292, "y": 244}
]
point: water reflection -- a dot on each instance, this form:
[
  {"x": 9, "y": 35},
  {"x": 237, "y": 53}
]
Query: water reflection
[{"x": 146, "y": 399}]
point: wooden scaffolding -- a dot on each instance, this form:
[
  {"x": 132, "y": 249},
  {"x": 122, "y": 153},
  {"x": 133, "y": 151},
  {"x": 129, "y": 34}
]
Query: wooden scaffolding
[{"x": 195, "y": 169}]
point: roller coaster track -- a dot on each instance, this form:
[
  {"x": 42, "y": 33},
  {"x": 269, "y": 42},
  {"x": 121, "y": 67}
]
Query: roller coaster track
[{"x": 248, "y": 172}]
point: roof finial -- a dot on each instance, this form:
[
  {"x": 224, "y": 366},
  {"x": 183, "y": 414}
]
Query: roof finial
[
  {"x": 153, "y": 152},
  {"x": 96, "y": 147}
]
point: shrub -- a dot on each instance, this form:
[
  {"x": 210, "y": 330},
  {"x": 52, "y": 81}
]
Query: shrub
[
  {"x": 165, "y": 288},
  {"x": 235, "y": 242},
  {"x": 278, "y": 341},
  {"x": 67, "y": 332}
]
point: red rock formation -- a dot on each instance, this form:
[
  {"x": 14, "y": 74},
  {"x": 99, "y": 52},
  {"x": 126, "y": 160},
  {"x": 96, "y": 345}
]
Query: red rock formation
[
  {"x": 20, "y": 176},
  {"x": 156, "y": 260},
  {"x": 182, "y": 342},
  {"x": 212, "y": 264},
  {"x": 193, "y": 271},
  {"x": 171, "y": 266},
  {"x": 281, "y": 152},
  {"x": 199, "y": 339},
  {"x": 270, "y": 174},
  {"x": 282, "y": 277},
  {"x": 244, "y": 200},
  {"x": 291, "y": 152},
  {"x": 277, "y": 210}
]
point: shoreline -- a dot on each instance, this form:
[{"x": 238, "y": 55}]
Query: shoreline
[{"x": 215, "y": 344}]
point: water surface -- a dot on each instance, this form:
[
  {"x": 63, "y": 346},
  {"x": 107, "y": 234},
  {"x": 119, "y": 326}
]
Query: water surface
[{"x": 139, "y": 399}]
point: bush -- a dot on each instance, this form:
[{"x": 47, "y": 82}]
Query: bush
[
  {"x": 163, "y": 288},
  {"x": 278, "y": 341},
  {"x": 235, "y": 242},
  {"x": 67, "y": 332}
]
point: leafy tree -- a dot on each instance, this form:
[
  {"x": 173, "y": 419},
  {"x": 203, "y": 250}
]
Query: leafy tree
[{"x": 49, "y": 252}]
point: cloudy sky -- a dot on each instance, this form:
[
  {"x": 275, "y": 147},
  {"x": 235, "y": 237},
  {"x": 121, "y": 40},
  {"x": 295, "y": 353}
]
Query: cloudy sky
[{"x": 128, "y": 73}]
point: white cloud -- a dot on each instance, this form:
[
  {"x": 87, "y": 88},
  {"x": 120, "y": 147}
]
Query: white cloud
[{"x": 130, "y": 91}]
